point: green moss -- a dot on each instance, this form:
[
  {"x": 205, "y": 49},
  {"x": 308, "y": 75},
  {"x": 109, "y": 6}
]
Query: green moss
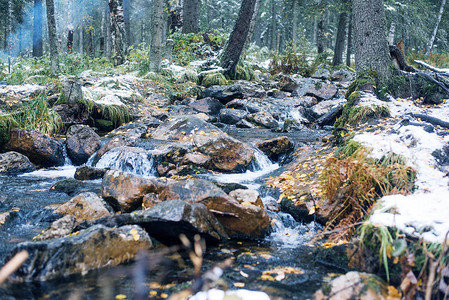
[
  {"x": 349, "y": 148},
  {"x": 214, "y": 79}
]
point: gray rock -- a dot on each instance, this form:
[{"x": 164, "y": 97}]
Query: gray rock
[
  {"x": 12, "y": 163},
  {"x": 315, "y": 88},
  {"x": 207, "y": 105},
  {"x": 322, "y": 108},
  {"x": 264, "y": 119},
  {"x": 89, "y": 173},
  {"x": 71, "y": 89},
  {"x": 81, "y": 143},
  {"x": 287, "y": 83},
  {"x": 224, "y": 93},
  {"x": 93, "y": 248},
  {"x": 321, "y": 73},
  {"x": 343, "y": 76},
  {"x": 231, "y": 116},
  {"x": 276, "y": 148}
]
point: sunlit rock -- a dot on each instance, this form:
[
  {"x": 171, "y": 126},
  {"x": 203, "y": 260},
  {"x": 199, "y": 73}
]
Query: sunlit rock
[
  {"x": 81, "y": 143},
  {"x": 14, "y": 163}
]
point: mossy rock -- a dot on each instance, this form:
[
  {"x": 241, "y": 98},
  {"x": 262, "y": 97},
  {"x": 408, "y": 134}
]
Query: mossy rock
[{"x": 104, "y": 125}]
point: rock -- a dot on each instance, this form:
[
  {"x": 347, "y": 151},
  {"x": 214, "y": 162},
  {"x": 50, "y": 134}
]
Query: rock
[
  {"x": 264, "y": 119},
  {"x": 39, "y": 148},
  {"x": 276, "y": 148},
  {"x": 343, "y": 76},
  {"x": 321, "y": 73},
  {"x": 271, "y": 204},
  {"x": 58, "y": 229},
  {"x": 125, "y": 191},
  {"x": 240, "y": 294},
  {"x": 223, "y": 93},
  {"x": 244, "y": 124},
  {"x": 244, "y": 104},
  {"x": 247, "y": 197},
  {"x": 286, "y": 83},
  {"x": 231, "y": 116},
  {"x": 209, "y": 106},
  {"x": 89, "y": 173},
  {"x": 93, "y": 248},
  {"x": 116, "y": 141},
  {"x": 81, "y": 143},
  {"x": 7, "y": 216},
  {"x": 135, "y": 130},
  {"x": 12, "y": 163},
  {"x": 322, "y": 108},
  {"x": 149, "y": 200},
  {"x": 195, "y": 158},
  {"x": 166, "y": 220},
  {"x": 306, "y": 101},
  {"x": 315, "y": 88},
  {"x": 72, "y": 113},
  {"x": 85, "y": 206},
  {"x": 353, "y": 285},
  {"x": 276, "y": 94},
  {"x": 71, "y": 90},
  {"x": 73, "y": 187},
  {"x": 183, "y": 128},
  {"x": 225, "y": 152}
]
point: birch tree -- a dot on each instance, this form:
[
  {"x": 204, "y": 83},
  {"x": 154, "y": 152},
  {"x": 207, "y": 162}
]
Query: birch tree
[
  {"x": 435, "y": 30},
  {"x": 118, "y": 32},
  {"x": 51, "y": 21},
  {"x": 157, "y": 29}
]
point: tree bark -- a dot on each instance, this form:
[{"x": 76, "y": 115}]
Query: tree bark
[
  {"x": 295, "y": 22},
  {"x": 81, "y": 40},
  {"x": 107, "y": 30},
  {"x": 340, "y": 39},
  {"x": 391, "y": 33},
  {"x": 320, "y": 39},
  {"x": 252, "y": 25},
  {"x": 37, "y": 29},
  {"x": 126, "y": 16},
  {"x": 370, "y": 40},
  {"x": 157, "y": 29},
  {"x": 190, "y": 13},
  {"x": 52, "y": 37},
  {"x": 349, "y": 42},
  {"x": 273, "y": 30},
  {"x": 69, "y": 26},
  {"x": 118, "y": 31},
  {"x": 435, "y": 30},
  {"x": 236, "y": 43}
]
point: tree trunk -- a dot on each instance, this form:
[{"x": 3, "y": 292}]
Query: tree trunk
[
  {"x": 118, "y": 31},
  {"x": 252, "y": 25},
  {"x": 190, "y": 13},
  {"x": 320, "y": 39},
  {"x": 37, "y": 29},
  {"x": 69, "y": 27},
  {"x": 157, "y": 28},
  {"x": 81, "y": 40},
  {"x": 126, "y": 16},
  {"x": 273, "y": 34},
  {"x": 107, "y": 30},
  {"x": 295, "y": 22},
  {"x": 370, "y": 40},
  {"x": 435, "y": 30},
  {"x": 52, "y": 37},
  {"x": 340, "y": 40},
  {"x": 349, "y": 41},
  {"x": 236, "y": 43}
]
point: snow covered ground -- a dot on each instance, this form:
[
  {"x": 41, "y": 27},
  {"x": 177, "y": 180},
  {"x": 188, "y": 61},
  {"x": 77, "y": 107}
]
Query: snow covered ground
[{"x": 425, "y": 213}]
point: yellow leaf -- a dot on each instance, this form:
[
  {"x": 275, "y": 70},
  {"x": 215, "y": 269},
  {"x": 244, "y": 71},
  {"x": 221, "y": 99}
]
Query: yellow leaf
[
  {"x": 267, "y": 277},
  {"x": 164, "y": 295},
  {"x": 120, "y": 296},
  {"x": 239, "y": 284},
  {"x": 153, "y": 293}
]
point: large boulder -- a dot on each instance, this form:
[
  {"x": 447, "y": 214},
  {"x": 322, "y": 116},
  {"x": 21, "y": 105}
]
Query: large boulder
[
  {"x": 315, "y": 88},
  {"x": 125, "y": 191},
  {"x": 224, "y": 93},
  {"x": 93, "y": 248},
  {"x": 286, "y": 83},
  {"x": 39, "y": 148},
  {"x": 72, "y": 113},
  {"x": 226, "y": 153},
  {"x": 81, "y": 143},
  {"x": 12, "y": 163},
  {"x": 264, "y": 119},
  {"x": 71, "y": 90},
  {"x": 353, "y": 285},
  {"x": 323, "y": 108},
  {"x": 89, "y": 173},
  {"x": 208, "y": 106},
  {"x": 231, "y": 116},
  {"x": 85, "y": 206},
  {"x": 276, "y": 148},
  {"x": 166, "y": 220}
]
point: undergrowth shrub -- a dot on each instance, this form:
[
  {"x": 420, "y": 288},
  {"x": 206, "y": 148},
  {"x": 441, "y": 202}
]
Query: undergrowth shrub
[
  {"x": 440, "y": 60},
  {"x": 215, "y": 78},
  {"x": 353, "y": 181}
]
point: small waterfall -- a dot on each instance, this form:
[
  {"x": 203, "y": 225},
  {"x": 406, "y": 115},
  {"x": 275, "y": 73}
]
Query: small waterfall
[
  {"x": 129, "y": 159},
  {"x": 67, "y": 161},
  {"x": 260, "y": 166},
  {"x": 289, "y": 233}
]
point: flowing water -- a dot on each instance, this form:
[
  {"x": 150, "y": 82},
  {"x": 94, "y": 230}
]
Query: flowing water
[{"x": 281, "y": 265}]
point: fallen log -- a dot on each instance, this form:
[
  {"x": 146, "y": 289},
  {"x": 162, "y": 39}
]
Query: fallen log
[
  {"x": 442, "y": 72},
  {"x": 431, "y": 120}
]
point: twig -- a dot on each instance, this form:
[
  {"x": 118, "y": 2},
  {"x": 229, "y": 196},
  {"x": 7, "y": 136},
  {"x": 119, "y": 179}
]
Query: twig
[{"x": 12, "y": 265}]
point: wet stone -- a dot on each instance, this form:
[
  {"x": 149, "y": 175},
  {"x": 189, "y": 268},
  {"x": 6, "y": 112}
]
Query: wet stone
[
  {"x": 12, "y": 163},
  {"x": 232, "y": 116}
]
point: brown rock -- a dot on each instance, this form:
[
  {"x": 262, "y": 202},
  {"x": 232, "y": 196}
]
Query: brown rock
[
  {"x": 81, "y": 143},
  {"x": 59, "y": 228},
  {"x": 89, "y": 173},
  {"x": 85, "y": 206},
  {"x": 15, "y": 163},
  {"x": 39, "y": 148},
  {"x": 276, "y": 147},
  {"x": 196, "y": 158}
]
